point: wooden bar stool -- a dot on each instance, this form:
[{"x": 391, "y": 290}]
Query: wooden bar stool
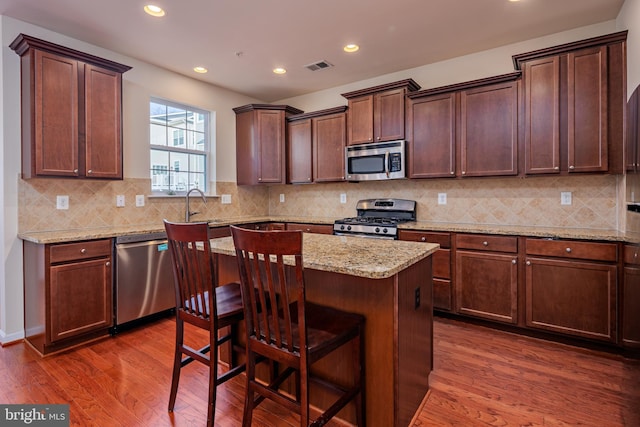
[
  {"x": 202, "y": 303},
  {"x": 291, "y": 332}
]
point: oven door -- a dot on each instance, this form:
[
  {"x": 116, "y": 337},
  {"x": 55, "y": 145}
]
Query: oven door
[{"x": 377, "y": 161}]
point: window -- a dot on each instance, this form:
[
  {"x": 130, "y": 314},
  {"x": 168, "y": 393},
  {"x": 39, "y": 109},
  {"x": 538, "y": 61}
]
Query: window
[{"x": 178, "y": 139}]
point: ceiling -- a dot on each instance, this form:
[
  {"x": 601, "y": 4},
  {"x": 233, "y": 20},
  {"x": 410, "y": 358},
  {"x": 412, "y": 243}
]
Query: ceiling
[{"x": 241, "y": 41}]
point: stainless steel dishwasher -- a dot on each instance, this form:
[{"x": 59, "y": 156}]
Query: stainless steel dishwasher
[{"x": 144, "y": 278}]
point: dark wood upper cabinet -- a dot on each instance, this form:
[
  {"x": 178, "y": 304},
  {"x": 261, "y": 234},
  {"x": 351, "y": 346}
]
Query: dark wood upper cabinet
[
  {"x": 260, "y": 143},
  {"x": 378, "y": 113},
  {"x": 467, "y": 129},
  {"x": 574, "y": 106},
  {"x": 71, "y": 112},
  {"x": 633, "y": 141},
  {"x": 316, "y": 143}
]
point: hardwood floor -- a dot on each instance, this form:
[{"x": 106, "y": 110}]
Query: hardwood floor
[{"x": 481, "y": 377}]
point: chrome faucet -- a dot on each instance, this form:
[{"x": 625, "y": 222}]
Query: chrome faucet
[{"x": 189, "y": 213}]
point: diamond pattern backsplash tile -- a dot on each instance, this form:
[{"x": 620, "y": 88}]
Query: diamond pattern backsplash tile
[{"x": 491, "y": 201}]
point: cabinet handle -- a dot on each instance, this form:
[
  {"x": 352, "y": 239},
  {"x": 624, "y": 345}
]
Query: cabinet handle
[
  {"x": 90, "y": 171},
  {"x": 464, "y": 173},
  {"x": 452, "y": 173},
  {"x": 528, "y": 262},
  {"x": 424, "y": 239},
  {"x": 75, "y": 171},
  {"x": 556, "y": 168},
  {"x": 568, "y": 250},
  {"x": 485, "y": 243},
  {"x": 107, "y": 264},
  {"x": 378, "y": 138},
  {"x": 83, "y": 251},
  {"x": 572, "y": 167},
  {"x": 513, "y": 261}
]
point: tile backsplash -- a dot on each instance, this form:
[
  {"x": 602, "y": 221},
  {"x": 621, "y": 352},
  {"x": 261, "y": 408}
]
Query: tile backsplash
[{"x": 507, "y": 201}]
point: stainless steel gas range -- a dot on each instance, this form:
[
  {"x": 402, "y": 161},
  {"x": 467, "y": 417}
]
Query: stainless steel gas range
[{"x": 377, "y": 218}]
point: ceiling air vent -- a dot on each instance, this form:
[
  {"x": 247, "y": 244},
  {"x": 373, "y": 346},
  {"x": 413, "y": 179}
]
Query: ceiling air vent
[{"x": 319, "y": 65}]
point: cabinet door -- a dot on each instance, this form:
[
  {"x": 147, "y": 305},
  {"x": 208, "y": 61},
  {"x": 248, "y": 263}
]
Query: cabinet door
[
  {"x": 486, "y": 285},
  {"x": 489, "y": 130},
  {"x": 270, "y": 147},
  {"x": 103, "y": 138},
  {"x": 300, "y": 160},
  {"x": 80, "y": 298},
  {"x": 388, "y": 115},
  {"x": 360, "y": 120},
  {"x": 570, "y": 297},
  {"x": 310, "y": 228},
  {"x": 329, "y": 141},
  {"x": 587, "y": 110},
  {"x": 431, "y": 128},
  {"x": 630, "y": 307},
  {"x": 55, "y": 151},
  {"x": 542, "y": 115}
]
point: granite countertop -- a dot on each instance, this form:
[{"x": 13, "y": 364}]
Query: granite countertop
[
  {"x": 61, "y": 236},
  {"x": 355, "y": 256}
]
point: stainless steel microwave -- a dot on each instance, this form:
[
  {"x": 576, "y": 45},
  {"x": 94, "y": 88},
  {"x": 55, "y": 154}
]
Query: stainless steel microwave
[{"x": 375, "y": 161}]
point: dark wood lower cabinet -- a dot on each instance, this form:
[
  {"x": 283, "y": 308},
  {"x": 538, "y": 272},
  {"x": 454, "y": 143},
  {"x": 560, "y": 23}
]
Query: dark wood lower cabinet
[{"x": 631, "y": 308}]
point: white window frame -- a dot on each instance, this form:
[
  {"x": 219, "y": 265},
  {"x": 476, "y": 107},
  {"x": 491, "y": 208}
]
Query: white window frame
[{"x": 158, "y": 171}]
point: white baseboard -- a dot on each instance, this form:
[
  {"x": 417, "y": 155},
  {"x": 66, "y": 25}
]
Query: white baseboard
[{"x": 6, "y": 339}]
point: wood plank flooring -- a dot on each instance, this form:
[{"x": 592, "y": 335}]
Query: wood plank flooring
[{"x": 481, "y": 377}]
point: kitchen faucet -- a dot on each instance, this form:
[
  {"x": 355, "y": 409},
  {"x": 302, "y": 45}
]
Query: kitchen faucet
[{"x": 189, "y": 213}]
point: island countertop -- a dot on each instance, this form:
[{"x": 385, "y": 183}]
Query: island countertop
[{"x": 356, "y": 256}]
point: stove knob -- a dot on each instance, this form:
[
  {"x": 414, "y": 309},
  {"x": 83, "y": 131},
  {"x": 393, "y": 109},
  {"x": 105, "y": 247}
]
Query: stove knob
[
  {"x": 384, "y": 230},
  {"x": 377, "y": 229},
  {"x": 349, "y": 227},
  {"x": 342, "y": 227}
]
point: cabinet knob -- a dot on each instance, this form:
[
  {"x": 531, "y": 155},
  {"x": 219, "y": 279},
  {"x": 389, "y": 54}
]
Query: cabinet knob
[
  {"x": 75, "y": 171},
  {"x": 556, "y": 168},
  {"x": 513, "y": 261},
  {"x": 83, "y": 251},
  {"x": 90, "y": 171},
  {"x": 572, "y": 167},
  {"x": 485, "y": 243},
  {"x": 528, "y": 262},
  {"x": 107, "y": 264},
  {"x": 378, "y": 138},
  {"x": 464, "y": 173},
  {"x": 424, "y": 239},
  {"x": 568, "y": 250},
  {"x": 452, "y": 173}
]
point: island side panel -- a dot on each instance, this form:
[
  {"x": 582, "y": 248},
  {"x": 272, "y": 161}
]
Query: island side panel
[{"x": 414, "y": 334}]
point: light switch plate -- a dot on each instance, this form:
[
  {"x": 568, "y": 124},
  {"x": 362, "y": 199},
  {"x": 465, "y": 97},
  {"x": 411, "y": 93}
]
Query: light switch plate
[
  {"x": 565, "y": 197},
  {"x": 281, "y": 198},
  {"x": 139, "y": 200},
  {"x": 343, "y": 198},
  {"x": 120, "y": 201},
  {"x": 442, "y": 198},
  {"x": 62, "y": 202},
  {"x": 225, "y": 199}
]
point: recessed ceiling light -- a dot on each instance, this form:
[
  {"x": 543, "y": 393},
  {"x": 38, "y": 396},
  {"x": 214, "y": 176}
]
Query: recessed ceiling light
[
  {"x": 201, "y": 70},
  {"x": 279, "y": 70},
  {"x": 154, "y": 10},
  {"x": 351, "y": 48}
]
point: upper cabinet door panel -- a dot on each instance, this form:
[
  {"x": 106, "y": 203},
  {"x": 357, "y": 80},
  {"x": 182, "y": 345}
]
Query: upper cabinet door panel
[
  {"x": 329, "y": 142},
  {"x": 55, "y": 124},
  {"x": 587, "y": 110},
  {"x": 271, "y": 146},
  {"x": 542, "y": 115},
  {"x": 103, "y": 128},
  {"x": 489, "y": 130},
  {"x": 360, "y": 120},
  {"x": 431, "y": 131},
  {"x": 388, "y": 116},
  {"x": 300, "y": 158}
]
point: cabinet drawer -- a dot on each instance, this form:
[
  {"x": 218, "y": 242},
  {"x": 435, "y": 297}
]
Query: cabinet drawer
[
  {"x": 81, "y": 250},
  {"x": 488, "y": 242},
  {"x": 311, "y": 228},
  {"x": 632, "y": 254},
  {"x": 572, "y": 249},
  {"x": 442, "y": 263},
  {"x": 443, "y": 239},
  {"x": 442, "y": 294}
]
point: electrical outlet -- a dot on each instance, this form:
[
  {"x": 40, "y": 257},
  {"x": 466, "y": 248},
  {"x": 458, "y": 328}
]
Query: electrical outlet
[
  {"x": 120, "y": 201},
  {"x": 442, "y": 198},
  {"x": 417, "y": 298},
  {"x": 343, "y": 198},
  {"x": 225, "y": 199},
  {"x": 139, "y": 200},
  {"x": 62, "y": 202},
  {"x": 281, "y": 198},
  {"x": 565, "y": 197}
]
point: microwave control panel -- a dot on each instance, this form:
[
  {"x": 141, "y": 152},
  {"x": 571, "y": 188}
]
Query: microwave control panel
[{"x": 395, "y": 162}]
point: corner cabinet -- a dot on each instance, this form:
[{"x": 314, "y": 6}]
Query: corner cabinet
[
  {"x": 377, "y": 114},
  {"x": 315, "y": 146},
  {"x": 68, "y": 293},
  {"x": 71, "y": 112},
  {"x": 630, "y": 316},
  {"x": 260, "y": 143},
  {"x": 574, "y": 106}
]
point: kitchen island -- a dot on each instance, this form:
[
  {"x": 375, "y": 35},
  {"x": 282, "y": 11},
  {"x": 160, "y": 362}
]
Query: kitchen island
[{"x": 390, "y": 283}]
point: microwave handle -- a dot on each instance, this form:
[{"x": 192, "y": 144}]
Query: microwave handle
[{"x": 386, "y": 163}]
